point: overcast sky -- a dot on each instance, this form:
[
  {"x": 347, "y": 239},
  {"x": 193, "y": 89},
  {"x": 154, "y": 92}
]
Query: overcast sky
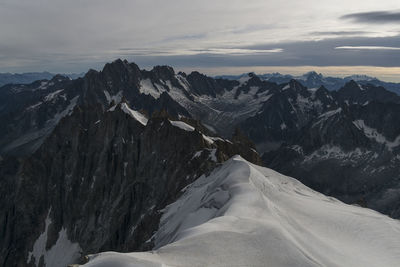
[{"x": 215, "y": 36}]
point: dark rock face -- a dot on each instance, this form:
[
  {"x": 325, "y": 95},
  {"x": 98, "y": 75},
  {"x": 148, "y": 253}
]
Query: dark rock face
[
  {"x": 203, "y": 85},
  {"x": 353, "y": 92},
  {"x": 102, "y": 177}
]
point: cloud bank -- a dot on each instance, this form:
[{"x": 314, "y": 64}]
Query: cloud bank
[{"x": 75, "y": 35}]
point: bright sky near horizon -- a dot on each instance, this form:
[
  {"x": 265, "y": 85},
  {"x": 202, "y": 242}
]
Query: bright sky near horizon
[{"x": 227, "y": 36}]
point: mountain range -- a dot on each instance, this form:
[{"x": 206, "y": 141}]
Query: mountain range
[
  {"x": 30, "y": 77},
  {"x": 313, "y": 79},
  {"x": 126, "y": 159}
]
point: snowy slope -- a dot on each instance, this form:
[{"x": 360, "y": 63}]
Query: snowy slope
[{"x": 246, "y": 215}]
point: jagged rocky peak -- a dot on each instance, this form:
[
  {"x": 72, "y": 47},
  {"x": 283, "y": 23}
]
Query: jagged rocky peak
[
  {"x": 204, "y": 85},
  {"x": 122, "y": 69},
  {"x": 165, "y": 73},
  {"x": 162, "y": 79},
  {"x": 313, "y": 75},
  {"x": 346, "y": 135},
  {"x": 59, "y": 78},
  {"x": 295, "y": 85},
  {"x": 293, "y": 88},
  {"x": 380, "y": 120},
  {"x": 351, "y": 85},
  {"x": 324, "y": 95},
  {"x": 117, "y": 79},
  {"x": 183, "y": 74},
  {"x": 116, "y": 65},
  {"x": 355, "y": 93},
  {"x": 254, "y": 79},
  {"x": 251, "y": 83}
]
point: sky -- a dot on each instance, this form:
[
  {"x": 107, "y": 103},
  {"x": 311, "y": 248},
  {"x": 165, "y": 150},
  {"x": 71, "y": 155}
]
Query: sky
[{"x": 338, "y": 37}]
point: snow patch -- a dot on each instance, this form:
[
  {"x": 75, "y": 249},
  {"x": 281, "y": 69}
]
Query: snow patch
[
  {"x": 147, "y": 88},
  {"x": 213, "y": 155},
  {"x": 182, "y": 125},
  {"x": 34, "y": 106},
  {"x": 43, "y": 85},
  {"x": 125, "y": 165},
  {"x": 51, "y": 96},
  {"x": 39, "y": 247},
  {"x": 197, "y": 154},
  {"x": 307, "y": 103},
  {"x": 67, "y": 111},
  {"x": 360, "y": 86},
  {"x": 116, "y": 98},
  {"x": 134, "y": 114},
  {"x": 243, "y": 80},
  {"x": 375, "y": 135},
  {"x": 62, "y": 253},
  {"x": 330, "y": 113},
  {"x": 183, "y": 82},
  {"x": 208, "y": 139},
  {"x": 335, "y": 152}
]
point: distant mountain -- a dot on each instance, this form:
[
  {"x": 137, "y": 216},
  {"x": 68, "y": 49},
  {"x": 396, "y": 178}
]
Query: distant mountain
[
  {"x": 29, "y": 77},
  {"x": 314, "y": 80},
  {"x": 23, "y": 78}
]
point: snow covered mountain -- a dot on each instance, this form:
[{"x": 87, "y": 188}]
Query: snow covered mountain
[
  {"x": 246, "y": 215},
  {"x": 89, "y": 164}
]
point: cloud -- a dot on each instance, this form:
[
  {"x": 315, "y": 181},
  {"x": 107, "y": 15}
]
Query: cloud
[
  {"x": 340, "y": 33},
  {"x": 341, "y": 51},
  {"x": 235, "y": 51},
  {"x": 192, "y": 52},
  {"x": 58, "y": 36},
  {"x": 374, "y": 17},
  {"x": 185, "y": 37},
  {"x": 250, "y": 28},
  {"x": 368, "y": 47}
]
